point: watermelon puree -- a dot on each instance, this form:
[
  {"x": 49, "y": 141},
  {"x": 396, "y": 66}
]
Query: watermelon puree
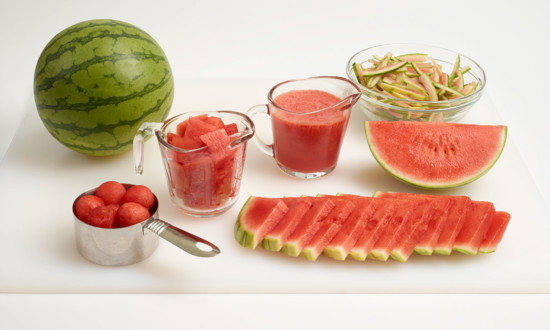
[{"x": 307, "y": 140}]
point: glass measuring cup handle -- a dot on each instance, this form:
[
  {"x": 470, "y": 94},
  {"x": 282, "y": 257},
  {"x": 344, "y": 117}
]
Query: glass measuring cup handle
[
  {"x": 252, "y": 112},
  {"x": 143, "y": 132}
]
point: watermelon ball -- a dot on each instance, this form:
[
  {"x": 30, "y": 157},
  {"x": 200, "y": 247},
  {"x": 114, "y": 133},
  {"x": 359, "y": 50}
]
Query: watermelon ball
[
  {"x": 129, "y": 214},
  {"x": 102, "y": 216},
  {"x": 85, "y": 204},
  {"x": 111, "y": 192},
  {"x": 141, "y": 195}
]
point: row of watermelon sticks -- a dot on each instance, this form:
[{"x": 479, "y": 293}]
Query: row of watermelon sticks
[{"x": 388, "y": 225}]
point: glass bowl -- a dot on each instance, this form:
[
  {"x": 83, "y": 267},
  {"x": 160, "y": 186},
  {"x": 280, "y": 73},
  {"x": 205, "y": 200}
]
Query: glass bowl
[{"x": 379, "y": 104}]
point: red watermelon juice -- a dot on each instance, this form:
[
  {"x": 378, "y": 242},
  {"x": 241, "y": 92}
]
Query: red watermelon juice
[{"x": 308, "y": 128}]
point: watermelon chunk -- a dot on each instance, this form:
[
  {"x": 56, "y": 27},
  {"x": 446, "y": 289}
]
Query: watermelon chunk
[
  {"x": 376, "y": 224},
  {"x": 231, "y": 128},
  {"x": 277, "y": 237},
  {"x": 196, "y": 128},
  {"x": 330, "y": 226},
  {"x": 384, "y": 245},
  {"x": 340, "y": 246},
  {"x": 311, "y": 222},
  {"x": 257, "y": 217},
  {"x": 495, "y": 233},
  {"x": 477, "y": 222}
]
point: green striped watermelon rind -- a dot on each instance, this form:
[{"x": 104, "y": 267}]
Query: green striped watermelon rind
[
  {"x": 97, "y": 81},
  {"x": 456, "y": 182}
]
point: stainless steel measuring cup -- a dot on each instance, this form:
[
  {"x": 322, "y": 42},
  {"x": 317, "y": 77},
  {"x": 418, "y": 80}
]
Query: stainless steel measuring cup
[{"x": 128, "y": 245}]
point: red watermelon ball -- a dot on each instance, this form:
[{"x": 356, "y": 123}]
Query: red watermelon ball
[
  {"x": 103, "y": 216},
  {"x": 85, "y": 204},
  {"x": 111, "y": 192},
  {"x": 141, "y": 195},
  {"x": 129, "y": 214}
]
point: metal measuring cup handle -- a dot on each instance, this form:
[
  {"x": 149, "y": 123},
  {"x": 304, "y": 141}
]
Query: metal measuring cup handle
[{"x": 186, "y": 241}]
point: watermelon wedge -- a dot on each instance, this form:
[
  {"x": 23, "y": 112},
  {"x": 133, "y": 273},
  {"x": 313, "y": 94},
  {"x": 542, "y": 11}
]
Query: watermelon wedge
[
  {"x": 330, "y": 226},
  {"x": 384, "y": 245},
  {"x": 310, "y": 224},
  {"x": 257, "y": 217},
  {"x": 496, "y": 231},
  {"x": 340, "y": 246},
  {"x": 435, "y": 155},
  {"x": 383, "y": 211},
  {"x": 276, "y": 238},
  {"x": 476, "y": 224}
]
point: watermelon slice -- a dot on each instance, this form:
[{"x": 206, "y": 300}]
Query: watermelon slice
[
  {"x": 453, "y": 224},
  {"x": 435, "y": 155},
  {"x": 329, "y": 228},
  {"x": 340, "y": 246},
  {"x": 496, "y": 231},
  {"x": 257, "y": 217},
  {"x": 428, "y": 233},
  {"x": 311, "y": 222},
  {"x": 376, "y": 224},
  {"x": 405, "y": 239},
  {"x": 276, "y": 238},
  {"x": 476, "y": 224},
  {"x": 384, "y": 245}
]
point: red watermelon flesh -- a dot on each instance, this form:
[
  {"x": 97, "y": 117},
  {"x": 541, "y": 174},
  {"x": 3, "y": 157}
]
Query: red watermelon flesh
[
  {"x": 308, "y": 226},
  {"x": 277, "y": 237},
  {"x": 330, "y": 226},
  {"x": 384, "y": 245},
  {"x": 376, "y": 224},
  {"x": 340, "y": 246},
  {"x": 494, "y": 234},
  {"x": 453, "y": 224},
  {"x": 477, "y": 222},
  {"x": 407, "y": 236},
  {"x": 258, "y": 218}
]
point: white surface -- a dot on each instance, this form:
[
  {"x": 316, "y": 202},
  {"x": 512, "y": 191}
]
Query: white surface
[
  {"x": 280, "y": 40},
  {"x": 43, "y": 233}
]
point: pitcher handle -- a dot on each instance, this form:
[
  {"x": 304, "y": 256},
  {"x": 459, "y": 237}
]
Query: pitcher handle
[
  {"x": 143, "y": 133},
  {"x": 264, "y": 147}
]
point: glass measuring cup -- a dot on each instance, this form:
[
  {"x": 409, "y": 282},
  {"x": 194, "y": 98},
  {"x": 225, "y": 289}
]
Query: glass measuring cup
[
  {"x": 204, "y": 181},
  {"x": 306, "y": 143}
]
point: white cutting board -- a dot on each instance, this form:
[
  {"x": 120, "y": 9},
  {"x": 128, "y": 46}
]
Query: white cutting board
[{"x": 39, "y": 180}]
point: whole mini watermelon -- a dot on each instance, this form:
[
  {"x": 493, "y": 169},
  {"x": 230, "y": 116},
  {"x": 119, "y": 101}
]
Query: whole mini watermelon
[{"x": 97, "y": 81}]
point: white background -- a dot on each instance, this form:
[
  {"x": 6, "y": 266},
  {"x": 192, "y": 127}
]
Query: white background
[{"x": 290, "y": 39}]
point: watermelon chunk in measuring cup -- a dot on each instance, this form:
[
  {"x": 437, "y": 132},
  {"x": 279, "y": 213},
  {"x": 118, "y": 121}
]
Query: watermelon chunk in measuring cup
[{"x": 207, "y": 175}]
